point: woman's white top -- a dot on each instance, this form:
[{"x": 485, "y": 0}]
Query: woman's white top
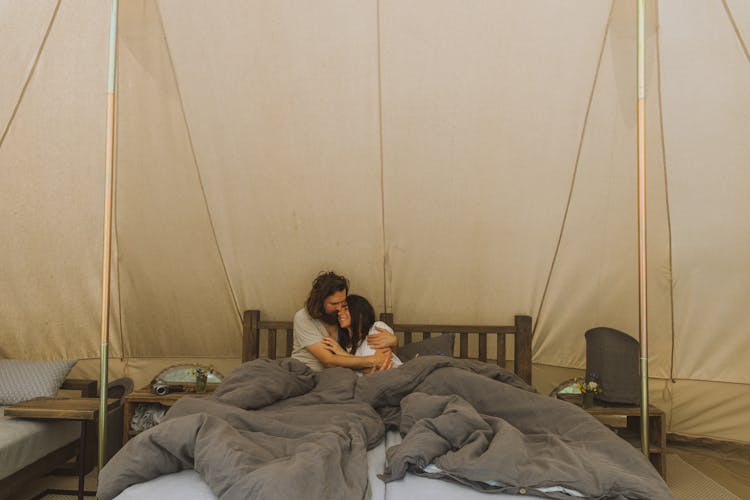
[{"x": 366, "y": 350}]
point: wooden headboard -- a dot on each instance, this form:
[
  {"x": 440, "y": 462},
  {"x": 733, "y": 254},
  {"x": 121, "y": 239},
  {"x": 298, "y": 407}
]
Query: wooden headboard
[{"x": 254, "y": 329}]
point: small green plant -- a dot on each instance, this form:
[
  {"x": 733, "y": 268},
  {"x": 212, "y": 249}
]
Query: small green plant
[
  {"x": 199, "y": 371},
  {"x": 590, "y": 386}
]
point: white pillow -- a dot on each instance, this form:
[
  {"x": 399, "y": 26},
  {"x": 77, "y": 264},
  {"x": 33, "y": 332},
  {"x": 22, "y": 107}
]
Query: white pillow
[{"x": 21, "y": 380}]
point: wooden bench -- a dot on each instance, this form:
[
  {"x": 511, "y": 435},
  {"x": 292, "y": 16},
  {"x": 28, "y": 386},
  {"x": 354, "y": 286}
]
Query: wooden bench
[
  {"x": 53, "y": 460},
  {"x": 59, "y": 461}
]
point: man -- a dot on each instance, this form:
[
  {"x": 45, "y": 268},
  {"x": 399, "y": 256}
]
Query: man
[{"x": 319, "y": 319}]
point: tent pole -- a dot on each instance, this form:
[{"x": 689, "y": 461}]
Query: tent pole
[
  {"x": 107, "y": 247},
  {"x": 642, "y": 273}
]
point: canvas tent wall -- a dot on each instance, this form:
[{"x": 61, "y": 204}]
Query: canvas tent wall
[{"x": 489, "y": 145}]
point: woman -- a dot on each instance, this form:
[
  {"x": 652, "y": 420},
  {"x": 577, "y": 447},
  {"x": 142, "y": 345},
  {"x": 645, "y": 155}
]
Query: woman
[{"x": 357, "y": 317}]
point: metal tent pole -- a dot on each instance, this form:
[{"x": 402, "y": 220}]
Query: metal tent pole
[
  {"x": 642, "y": 273},
  {"x": 107, "y": 247}
]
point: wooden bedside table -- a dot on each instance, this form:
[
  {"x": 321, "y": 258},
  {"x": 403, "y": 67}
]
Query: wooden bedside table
[
  {"x": 145, "y": 396},
  {"x": 631, "y": 432},
  {"x": 81, "y": 409}
]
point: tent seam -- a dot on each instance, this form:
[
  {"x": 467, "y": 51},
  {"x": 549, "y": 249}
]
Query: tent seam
[
  {"x": 197, "y": 168},
  {"x": 666, "y": 190},
  {"x": 686, "y": 379},
  {"x": 123, "y": 357},
  {"x": 26, "y": 83},
  {"x": 668, "y": 387},
  {"x": 575, "y": 168},
  {"x": 736, "y": 30},
  {"x": 386, "y": 305}
]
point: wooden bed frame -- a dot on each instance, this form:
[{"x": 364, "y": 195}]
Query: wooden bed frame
[{"x": 254, "y": 329}]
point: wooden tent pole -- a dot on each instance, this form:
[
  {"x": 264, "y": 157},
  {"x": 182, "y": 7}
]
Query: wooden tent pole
[
  {"x": 642, "y": 273},
  {"x": 107, "y": 247}
]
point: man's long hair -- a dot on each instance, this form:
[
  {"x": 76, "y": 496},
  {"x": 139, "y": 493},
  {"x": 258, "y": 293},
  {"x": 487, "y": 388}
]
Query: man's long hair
[{"x": 325, "y": 285}]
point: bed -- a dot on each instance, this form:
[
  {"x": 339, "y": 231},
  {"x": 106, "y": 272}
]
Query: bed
[{"x": 436, "y": 427}]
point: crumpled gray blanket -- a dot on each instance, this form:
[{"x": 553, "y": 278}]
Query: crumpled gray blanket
[{"x": 275, "y": 429}]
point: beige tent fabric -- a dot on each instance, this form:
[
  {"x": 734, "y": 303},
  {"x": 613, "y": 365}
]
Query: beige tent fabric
[
  {"x": 468, "y": 239},
  {"x": 285, "y": 129},
  {"x": 714, "y": 409},
  {"x": 176, "y": 298},
  {"x": 594, "y": 279},
  {"x": 740, "y": 18},
  {"x": 435, "y": 152},
  {"x": 706, "y": 131},
  {"x": 51, "y": 184},
  {"x": 22, "y": 30}
]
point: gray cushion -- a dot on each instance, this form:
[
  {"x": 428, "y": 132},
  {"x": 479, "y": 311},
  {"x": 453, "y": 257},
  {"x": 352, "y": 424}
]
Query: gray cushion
[
  {"x": 441, "y": 345},
  {"x": 22, "y": 380}
]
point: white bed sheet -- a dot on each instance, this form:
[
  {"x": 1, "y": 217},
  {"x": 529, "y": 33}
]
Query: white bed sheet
[
  {"x": 188, "y": 485},
  {"x": 24, "y": 441}
]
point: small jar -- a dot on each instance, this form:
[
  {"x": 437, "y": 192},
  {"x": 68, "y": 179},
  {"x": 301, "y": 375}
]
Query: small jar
[
  {"x": 588, "y": 399},
  {"x": 200, "y": 382}
]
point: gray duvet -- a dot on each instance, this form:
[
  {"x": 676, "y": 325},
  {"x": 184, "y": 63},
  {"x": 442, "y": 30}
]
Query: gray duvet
[{"x": 276, "y": 429}]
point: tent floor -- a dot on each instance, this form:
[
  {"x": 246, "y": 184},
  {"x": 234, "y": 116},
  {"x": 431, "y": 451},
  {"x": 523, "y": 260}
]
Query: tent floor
[{"x": 729, "y": 468}]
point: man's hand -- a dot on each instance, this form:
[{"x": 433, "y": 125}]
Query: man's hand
[
  {"x": 383, "y": 361},
  {"x": 382, "y": 339}
]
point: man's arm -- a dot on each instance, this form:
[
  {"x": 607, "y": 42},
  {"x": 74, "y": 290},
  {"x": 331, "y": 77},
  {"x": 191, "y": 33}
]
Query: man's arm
[
  {"x": 330, "y": 360},
  {"x": 383, "y": 338}
]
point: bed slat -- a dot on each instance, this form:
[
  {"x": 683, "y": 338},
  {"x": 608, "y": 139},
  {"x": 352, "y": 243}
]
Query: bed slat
[
  {"x": 463, "y": 343},
  {"x": 250, "y": 327},
  {"x": 483, "y": 347},
  {"x": 501, "y": 350},
  {"x": 523, "y": 347},
  {"x": 272, "y": 343}
]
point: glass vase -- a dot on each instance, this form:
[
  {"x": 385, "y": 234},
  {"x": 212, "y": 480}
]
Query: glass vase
[
  {"x": 587, "y": 399},
  {"x": 200, "y": 383}
]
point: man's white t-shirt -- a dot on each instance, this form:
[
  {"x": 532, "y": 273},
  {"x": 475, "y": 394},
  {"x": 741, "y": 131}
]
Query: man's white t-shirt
[
  {"x": 307, "y": 331},
  {"x": 366, "y": 350}
]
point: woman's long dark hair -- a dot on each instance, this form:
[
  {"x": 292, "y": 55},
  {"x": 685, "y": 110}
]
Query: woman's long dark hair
[{"x": 363, "y": 317}]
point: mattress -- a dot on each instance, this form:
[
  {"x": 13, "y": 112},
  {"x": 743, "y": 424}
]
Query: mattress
[
  {"x": 188, "y": 485},
  {"x": 24, "y": 441}
]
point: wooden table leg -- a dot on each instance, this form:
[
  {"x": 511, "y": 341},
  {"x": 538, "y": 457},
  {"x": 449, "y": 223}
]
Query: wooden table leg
[{"x": 82, "y": 461}]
